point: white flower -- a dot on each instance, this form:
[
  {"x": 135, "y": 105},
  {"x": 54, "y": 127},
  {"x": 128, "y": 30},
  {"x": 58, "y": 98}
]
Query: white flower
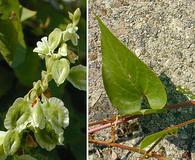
[
  {"x": 70, "y": 34},
  {"x": 42, "y": 47},
  {"x": 63, "y": 50}
]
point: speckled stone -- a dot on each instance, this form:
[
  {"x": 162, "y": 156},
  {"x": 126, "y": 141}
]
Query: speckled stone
[{"x": 162, "y": 34}]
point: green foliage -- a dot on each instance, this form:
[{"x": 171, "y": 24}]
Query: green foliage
[
  {"x": 127, "y": 80},
  {"x": 35, "y": 114},
  {"x": 148, "y": 140},
  {"x": 131, "y": 86},
  {"x": 77, "y": 77},
  {"x": 12, "y": 45}
]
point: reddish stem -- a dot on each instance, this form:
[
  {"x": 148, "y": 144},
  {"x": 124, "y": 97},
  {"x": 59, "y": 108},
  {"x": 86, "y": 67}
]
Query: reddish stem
[
  {"x": 109, "y": 122},
  {"x": 132, "y": 149}
]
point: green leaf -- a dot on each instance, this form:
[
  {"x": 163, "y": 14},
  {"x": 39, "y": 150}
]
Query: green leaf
[
  {"x": 148, "y": 140},
  {"x": 126, "y": 78},
  {"x": 30, "y": 65},
  {"x": 9, "y": 9},
  {"x": 54, "y": 38},
  {"x": 47, "y": 138},
  {"x": 26, "y": 14},
  {"x": 12, "y": 44},
  {"x": 11, "y": 142},
  {"x": 18, "y": 115},
  {"x": 24, "y": 157},
  {"x": 56, "y": 113},
  {"x": 77, "y": 77},
  {"x": 60, "y": 70}
]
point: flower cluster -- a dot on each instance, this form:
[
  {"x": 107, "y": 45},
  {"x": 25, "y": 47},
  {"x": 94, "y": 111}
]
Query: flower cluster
[
  {"x": 58, "y": 38},
  {"x": 36, "y": 113}
]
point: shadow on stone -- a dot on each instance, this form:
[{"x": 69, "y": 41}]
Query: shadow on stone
[{"x": 157, "y": 122}]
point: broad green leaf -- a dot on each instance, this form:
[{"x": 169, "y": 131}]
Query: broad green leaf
[
  {"x": 24, "y": 157},
  {"x": 126, "y": 78},
  {"x": 56, "y": 113},
  {"x": 30, "y": 65},
  {"x": 26, "y": 14},
  {"x": 18, "y": 115},
  {"x": 77, "y": 77},
  {"x": 12, "y": 45},
  {"x": 60, "y": 70},
  {"x": 47, "y": 138},
  {"x": 9, "y": 9},
  {"x": 54, "y": 38},
  {"x": 11, "y": 142},
  {"x": 148, "y": 140}
]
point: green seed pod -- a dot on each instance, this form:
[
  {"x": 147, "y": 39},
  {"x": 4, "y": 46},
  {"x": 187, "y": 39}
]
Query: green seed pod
[{"x": 18, "y": 115}]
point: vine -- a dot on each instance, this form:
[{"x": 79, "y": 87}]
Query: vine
[
  {"x": 135, "y": 90},
  {"x": 37, "y": 119}
]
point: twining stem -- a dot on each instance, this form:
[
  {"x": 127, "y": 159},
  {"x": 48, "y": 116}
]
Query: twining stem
[
  {"x": 119, "y": 121},
  {"x": 138, "y": 150},
  {"x": 167, "y": 129},
  {"x": 181, "y": 124},
  {"x": 132, "y": 149},
  {"x": 110, "y": 122}
]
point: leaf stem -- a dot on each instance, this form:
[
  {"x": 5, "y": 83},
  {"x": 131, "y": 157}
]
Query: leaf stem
[
  {"x": 132, "y": 149},
  {"x": 110, "y": 122}
]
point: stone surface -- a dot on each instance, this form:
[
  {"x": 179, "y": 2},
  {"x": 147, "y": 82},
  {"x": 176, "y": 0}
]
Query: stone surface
[{"x": 162, "y": 34}]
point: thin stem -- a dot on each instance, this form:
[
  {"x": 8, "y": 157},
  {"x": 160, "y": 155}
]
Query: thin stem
[
  {"x": 109, "y": 122},
  {"x": 119, "y": 121},
  {"x": 181, "y": 124},
  {"x": 132, "y": 149}
]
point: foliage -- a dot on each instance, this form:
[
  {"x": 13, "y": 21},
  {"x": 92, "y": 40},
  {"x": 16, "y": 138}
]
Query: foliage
[
  {"x": 132, "y": 81},
  {"x": 132, "y": 87},
  {"x": 36, "y": 115}
]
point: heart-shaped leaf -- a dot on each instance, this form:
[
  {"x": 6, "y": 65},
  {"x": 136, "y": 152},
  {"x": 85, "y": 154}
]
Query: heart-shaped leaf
[
  {"x": 126, "y": 78},
  {"x": 60, "y": 70},
  {"x": 77, "y": 77}
]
